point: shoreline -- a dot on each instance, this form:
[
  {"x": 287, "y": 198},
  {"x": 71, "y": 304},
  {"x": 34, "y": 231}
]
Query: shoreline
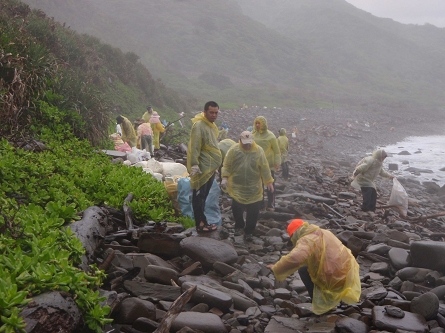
[{"x": 328, "y": 131}]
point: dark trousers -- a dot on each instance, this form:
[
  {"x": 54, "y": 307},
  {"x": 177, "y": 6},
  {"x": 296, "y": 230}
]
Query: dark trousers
[
  {"x": 252, "y": 212},
  {"x": 369, "y": 198},
  {"x": 146, "y": 142},
  {"x": 199, "y": 197},
  {"x": 271, "y": 195},
  {"x": 306, "y": 278},
  {"x": 285, "y": 170}
]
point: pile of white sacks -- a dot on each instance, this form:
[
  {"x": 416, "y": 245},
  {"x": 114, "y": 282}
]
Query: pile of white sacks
[{"x": 160, "y": 170}]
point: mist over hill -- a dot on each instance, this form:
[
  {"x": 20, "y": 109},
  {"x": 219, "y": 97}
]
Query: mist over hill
[{"x": 286, "y": 52}]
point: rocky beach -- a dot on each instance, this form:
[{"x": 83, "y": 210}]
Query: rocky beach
[{"x": 164, "y": 278}]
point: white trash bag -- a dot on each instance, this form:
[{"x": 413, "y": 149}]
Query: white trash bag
[{"x": 399, "y": 197}]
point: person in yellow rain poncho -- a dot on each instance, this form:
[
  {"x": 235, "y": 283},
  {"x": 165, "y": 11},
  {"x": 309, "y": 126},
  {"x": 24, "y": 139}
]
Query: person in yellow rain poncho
[
  {"x": 128, "y": 132},
  {"x": 267, "y": 140},
  {"x": 146, "y": 116},
  {"x": 222, "y": 134},
  {"x": 157, "y": 128},
  {"x": 364, "y": 175},
  {"x": 203, "y": 159},
  {"x": 327, "y": 268},
  {"x": 245, "y": 170},
  {"x": 283, "y": 144},
  {"x": 224, "y": 146}
]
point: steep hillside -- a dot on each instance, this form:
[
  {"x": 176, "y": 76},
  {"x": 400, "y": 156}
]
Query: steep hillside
[
  {"x": 295, "y": 53},
  {"x": 386, "y": 56},
  {"x": 44, "y": 64}
]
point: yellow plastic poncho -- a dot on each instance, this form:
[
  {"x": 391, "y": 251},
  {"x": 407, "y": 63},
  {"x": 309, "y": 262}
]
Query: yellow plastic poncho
[
  {"x": 283, "y": 144},
  {"x": 222, "y": 134},
  {"x": 331, "y": 266},
  {"x": 203, "y": 150},
  {"x": 157, "y": 128},
  {"x": 224, "y": 146},
  {"x": 370, "y": 167},
  {"x": 146, "y": 116},
  {"x": 267, "y": 140},
  {"x": 246, "y": 171},
  {"x": 128, "y": 132}
]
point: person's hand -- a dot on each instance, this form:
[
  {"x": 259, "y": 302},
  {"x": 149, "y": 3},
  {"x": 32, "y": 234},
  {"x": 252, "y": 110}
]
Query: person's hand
[
  {"x": 270, "y": 187},
  {"x": 277, "y": 166},
  {"x": 195, "y": 170},
  {"x": 393, "y": 177},
  {"x": 270, "y": 266},
  {"x": 224, "y": 183}
]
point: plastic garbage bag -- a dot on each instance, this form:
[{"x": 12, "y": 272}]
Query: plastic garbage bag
[
  {"x": 137, "y": 155},
  {"x": 212, "y": 211},
  {"x": 171, "y": 186},
  {"x": 399, "y": 197}
]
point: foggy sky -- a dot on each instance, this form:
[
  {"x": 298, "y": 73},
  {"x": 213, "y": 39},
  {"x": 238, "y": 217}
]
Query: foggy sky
[{"x": 406, "y": 11}]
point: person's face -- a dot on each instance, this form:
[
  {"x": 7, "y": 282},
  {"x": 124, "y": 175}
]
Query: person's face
[
  {"x": 212, "y": 113},
  {"x": 257, "y": 125},
  {"x": 246, "y": 146}
]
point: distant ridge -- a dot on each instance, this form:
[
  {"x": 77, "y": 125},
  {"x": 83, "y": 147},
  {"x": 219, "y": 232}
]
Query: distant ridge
[{"x": 296, "y": 52}]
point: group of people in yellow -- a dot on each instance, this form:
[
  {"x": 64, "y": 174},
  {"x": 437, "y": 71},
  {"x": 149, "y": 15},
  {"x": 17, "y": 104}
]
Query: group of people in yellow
[
  {"x": 327, "y": 268},
  {"x": 146, "y": 135}
]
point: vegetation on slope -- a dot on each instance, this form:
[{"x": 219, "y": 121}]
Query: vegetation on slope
[
  {"x": 56, "y": 92},
  {"x": 90, "y": 81}
]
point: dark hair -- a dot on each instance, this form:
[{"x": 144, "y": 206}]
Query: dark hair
[
  {"x": 119, "y": 119},
  {"x": 210, "y": 104},
  {"x": 149, "y": 107}
]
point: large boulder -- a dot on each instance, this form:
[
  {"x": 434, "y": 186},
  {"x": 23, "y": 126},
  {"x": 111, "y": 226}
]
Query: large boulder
[
  {"x": 208, "y": 250},
  {"x": 428, "y": 254}
]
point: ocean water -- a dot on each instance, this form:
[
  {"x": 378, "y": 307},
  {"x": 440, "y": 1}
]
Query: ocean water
[{"x": 427, "y": 152}]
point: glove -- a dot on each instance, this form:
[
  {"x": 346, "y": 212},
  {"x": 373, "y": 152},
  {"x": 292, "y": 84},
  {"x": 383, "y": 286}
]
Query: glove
[
  {"x": 224, "y": 183},
  {"x": 195, "y": 170}
]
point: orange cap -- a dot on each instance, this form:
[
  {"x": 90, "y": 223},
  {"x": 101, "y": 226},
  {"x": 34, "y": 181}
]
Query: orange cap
[{"x": 293, "y": 226}]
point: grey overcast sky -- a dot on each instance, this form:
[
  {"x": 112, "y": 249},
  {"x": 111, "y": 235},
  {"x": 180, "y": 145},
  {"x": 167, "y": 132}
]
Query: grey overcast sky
[{"x": 406, "y": 11}]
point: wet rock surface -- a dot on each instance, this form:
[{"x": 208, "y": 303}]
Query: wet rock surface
[{"x": 401, "y": 258}]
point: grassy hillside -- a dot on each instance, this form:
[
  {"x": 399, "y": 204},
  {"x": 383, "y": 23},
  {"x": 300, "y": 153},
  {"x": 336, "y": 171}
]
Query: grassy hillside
[
  {"x": 90, "y": 81},
  {"x": 58, "y": 91},
  {"x": 295, "y": 53}
]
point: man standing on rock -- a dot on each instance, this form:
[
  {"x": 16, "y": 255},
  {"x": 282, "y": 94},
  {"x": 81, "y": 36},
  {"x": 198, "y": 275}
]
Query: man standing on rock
[
  {"x": 245, "y": 170},
  {"x": 327, "y": 267},
  {"x": 267, "y": 140},
  {"x": 365, "y": 174},
  {"x": 203, "y": 159}
]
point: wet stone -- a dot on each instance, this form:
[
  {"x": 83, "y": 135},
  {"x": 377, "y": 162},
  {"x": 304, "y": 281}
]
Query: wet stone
[
  {"x": 133, "y": 308},
  {"x": 399, "y": 258},
  {"x": 380, "y": 249},
  {"x": 410, "y": 322},
  {"x": 427, "y": 305},
  {"x": 208, "y": 251},
  {"x": 162, "y": 275},
  {"x": 153, "y": 291},
  {"x": 413, "y": 274},
  {"x": 350, "y": 325},
  {"x": 379, "y": 267},
  {"x": 394, "y": 311},
  {"x": 205, "y": 322},
  {"x": 428, "y": 254},
  {"x": 374, "y": 293}
]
